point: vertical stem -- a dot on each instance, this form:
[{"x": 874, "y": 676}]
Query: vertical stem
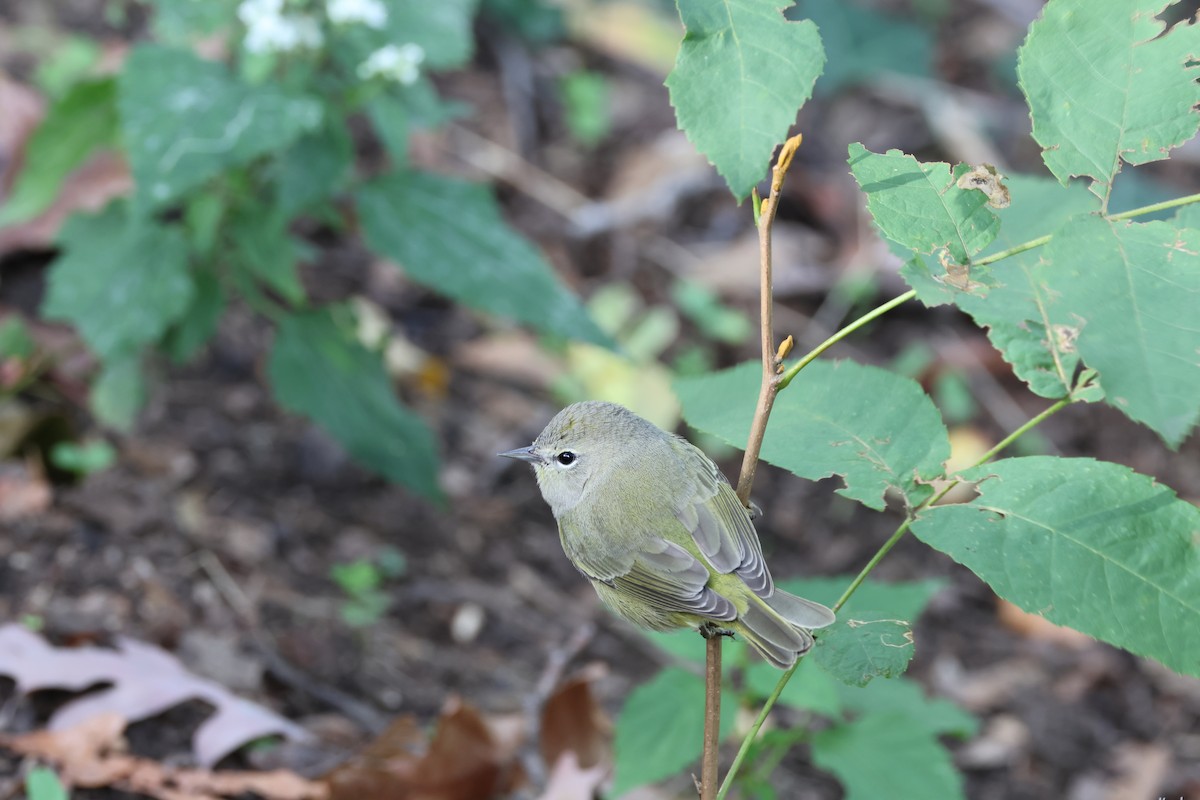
[
  {"x": 709, "y": 767},
  {"x": 771, "y": 359}
]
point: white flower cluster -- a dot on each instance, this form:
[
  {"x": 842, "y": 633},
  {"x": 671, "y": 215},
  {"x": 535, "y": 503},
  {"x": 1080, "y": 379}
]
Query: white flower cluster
[
  {"x": 269, "y": 30},
  {"x": 400, "y": 64},
  {"x": 372, "y": 13}
]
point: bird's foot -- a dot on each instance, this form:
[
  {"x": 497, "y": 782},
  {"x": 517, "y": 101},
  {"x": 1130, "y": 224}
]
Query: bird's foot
[{"x": 710, "y": 630}]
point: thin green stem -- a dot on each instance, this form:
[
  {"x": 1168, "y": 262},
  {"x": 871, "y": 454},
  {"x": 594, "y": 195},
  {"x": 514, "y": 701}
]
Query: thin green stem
[
  {"x": 793, "y": 370},
  {"x": 1163, "y": 206},
  {"x": 1012, "y": 251},
  {"x": 903, "y": 528}
]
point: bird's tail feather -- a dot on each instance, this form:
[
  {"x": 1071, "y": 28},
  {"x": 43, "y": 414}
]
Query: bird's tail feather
[{"x": 777, "y": 627}]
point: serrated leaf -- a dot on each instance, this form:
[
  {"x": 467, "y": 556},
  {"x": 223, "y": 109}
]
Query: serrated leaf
[
  {"x": 442, "y": 29},
  {"x": 317, "y": 368},
  {"x": 121, "y": 282},
  {"x": 876, "y": 429},
  {"x": 1014, "y": 311},
  {"x": 448, "y": 235},
  {"x": 920, "y": 206},
  {"x": 741, "y": 75},
  {"x": 903, "y": 696},
  {"x": 1126, "y": 294},
  {"x": 1087, "y": 544},
  {"x": 83, "y": 121},
  {"x": 660, "y": 729},
  {"x": 1103, "y": 85},
  {"x": 863, "y": 646},
  {"x": 883, "y": 755},
  {"x": 184, "y": 120}
]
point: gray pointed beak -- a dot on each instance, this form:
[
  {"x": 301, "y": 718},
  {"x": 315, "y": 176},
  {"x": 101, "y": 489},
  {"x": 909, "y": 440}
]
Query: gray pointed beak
[{"x": 523, "y": 454}]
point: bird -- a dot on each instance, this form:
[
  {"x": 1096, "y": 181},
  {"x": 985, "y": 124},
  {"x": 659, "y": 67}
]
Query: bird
[{"x": 655, "y": 526}]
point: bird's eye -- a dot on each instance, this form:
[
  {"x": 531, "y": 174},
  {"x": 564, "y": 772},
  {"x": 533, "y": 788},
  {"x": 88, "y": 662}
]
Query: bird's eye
[{"x": 566, "y": 458}]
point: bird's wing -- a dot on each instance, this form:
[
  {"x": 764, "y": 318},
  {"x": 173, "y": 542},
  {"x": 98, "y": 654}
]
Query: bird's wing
[
  {"x": 720, "y": 524},
  {"x": 660, "y": 573}
]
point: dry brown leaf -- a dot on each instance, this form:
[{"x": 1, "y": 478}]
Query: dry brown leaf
[
  {"x": 574, "y": 723},
  {"x": 145, "y": 681},
  {"x": 23, "y": 493},
  {"x": 89, "y": 188},
  {"x": 91, "y": 755},
  {"x": 569, "y": 781},
  {"x": 23, "y": 110},
  {"x": 465, "y": 760}
]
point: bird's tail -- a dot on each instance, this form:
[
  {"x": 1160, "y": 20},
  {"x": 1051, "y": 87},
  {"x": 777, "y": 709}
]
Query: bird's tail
[{"x": 778, "y": 627}]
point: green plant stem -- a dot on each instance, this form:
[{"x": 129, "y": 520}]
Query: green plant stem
[
  {"x": 793, "y": 370},
  {"x": 769, "y": 703},
  {"x": 1163, "y": 206}
]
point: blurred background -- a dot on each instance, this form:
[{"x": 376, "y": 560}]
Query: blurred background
[{"x": 246, "y": 527}]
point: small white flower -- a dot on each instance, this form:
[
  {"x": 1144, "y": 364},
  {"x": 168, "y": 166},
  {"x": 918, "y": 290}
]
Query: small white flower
[
  {"x": 269, "y": 30},
  {"x": 400, "y": 64},
  {"x": 251, "y": 12},
  {"x": 371, "y": 13}
]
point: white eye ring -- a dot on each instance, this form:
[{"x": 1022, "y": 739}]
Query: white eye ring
[{"x": 566, "y": 458}]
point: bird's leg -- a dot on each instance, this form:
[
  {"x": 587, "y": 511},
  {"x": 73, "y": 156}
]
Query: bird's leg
[{"x": 710, "y": 630}]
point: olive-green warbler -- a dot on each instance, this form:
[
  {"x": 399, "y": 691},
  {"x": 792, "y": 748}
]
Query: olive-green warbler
[{"x": 654, "y": 525}]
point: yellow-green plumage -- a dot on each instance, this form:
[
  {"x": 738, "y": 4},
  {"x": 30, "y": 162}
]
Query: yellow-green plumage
[{"x": 654, "y": 525}]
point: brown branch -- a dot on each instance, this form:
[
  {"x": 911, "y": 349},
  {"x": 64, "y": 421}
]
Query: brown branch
[
  {"x": 709, "y": 766},
  {"x": 772, "y": 359}
]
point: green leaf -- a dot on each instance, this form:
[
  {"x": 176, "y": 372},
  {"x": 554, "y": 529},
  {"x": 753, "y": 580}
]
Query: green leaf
[
  {"x": 660, "y": 729},
  {"x": 1125, "y": 296},
  {"x": 448, "y": 235},
  {"x": 442, "y": 29},
  {"x": 314, "y": 167},
  {"x": 186, "y": 120},
  {"x": 903, "y": 696},
  {"x": 317, "y": 368},
  {"x": 82, "y": 122},
  {"x": 741, "y": 75},
  {"x": 866, "y": 645},
  {"x": 585, "y": 98},
  {"x": 83, "y": 458},
  {"x": 15, "y": 339},
  {"x": 865, "y": 42},
  {"x": 876, "y": 429},
  {"x": 266, "y": 252},
  {"x": 1087, "y": 544},
  {"x": 42, "y": 783},
  {"x": 1014, "y": 310},
  {"x": 119, "y": 392},
  {"x": 883, "y": 755},
  {"x": 921, "y": 207},
  {"x": 199, "y": 322},
  {"x": 184, "y": 21},
  {"x": 810, "y": 687},
  {"x": 121, "y": 282},
  {"x": 904, "y": 600},
  {"x": 1103, "y": 85}
]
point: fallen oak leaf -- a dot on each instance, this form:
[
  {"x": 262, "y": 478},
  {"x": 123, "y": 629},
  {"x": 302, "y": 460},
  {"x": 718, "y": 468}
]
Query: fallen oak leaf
[
  {"x": 467, "y": 758},
  {"x": 91, "y": 755},
  {"x": 569, "y": 781},
  {"x": 145, "y": 681},
  {"x": 573, "y": 722}
]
